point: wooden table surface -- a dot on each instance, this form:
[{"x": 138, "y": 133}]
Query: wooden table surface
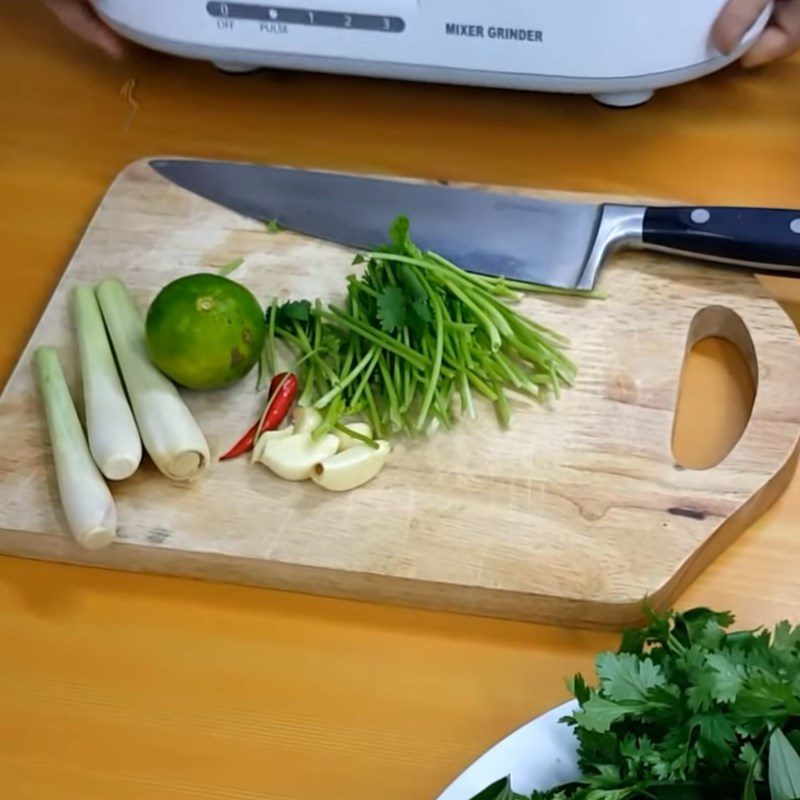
[{"x": 142, "y": 688}]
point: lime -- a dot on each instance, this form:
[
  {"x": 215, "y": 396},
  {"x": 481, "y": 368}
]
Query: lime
[{"x": 205, "y": 331}]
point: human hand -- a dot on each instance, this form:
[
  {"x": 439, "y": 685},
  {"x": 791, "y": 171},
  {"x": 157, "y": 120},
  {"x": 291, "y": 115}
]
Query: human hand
[
  {"x": 780, "y": 38},
  {"x": 80, "y": 17}
]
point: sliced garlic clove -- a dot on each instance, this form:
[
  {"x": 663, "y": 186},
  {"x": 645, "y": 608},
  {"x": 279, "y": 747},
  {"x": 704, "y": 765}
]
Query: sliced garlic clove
[
  {"x": 346, "y": 442},
  {"x": 267, "y": 436},
  {"x": 293, "y": 457},
  {"x": 351, "y": 468},
  {"x": 306, "y": 420}
]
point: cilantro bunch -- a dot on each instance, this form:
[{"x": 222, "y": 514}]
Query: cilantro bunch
[
  {"x": 416, "y": 337},
  {"x": 687, "y": 709}
]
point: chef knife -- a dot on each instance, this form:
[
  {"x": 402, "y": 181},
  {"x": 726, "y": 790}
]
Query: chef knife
[{"x": 554, "y": 243}]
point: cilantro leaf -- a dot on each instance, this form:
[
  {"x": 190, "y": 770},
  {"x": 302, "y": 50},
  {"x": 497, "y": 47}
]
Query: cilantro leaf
[
  {"x": 711, "y": 635},
  {"x": 678, "y": 791},
  {"x": 624, "y": 677},
  {"x": 639, "y": 754},
  {"x": 400, "y": 236},
  {"x": 764, "y": 696},
  {"x": 411, "y": 283},
  {"x": 599, "y": 714},
  {"x": 579, "y": 688},
  {"x": 727, "y": 677},
  {"x": 596, "y": 748},
  {"x": 700, "y": 697},
  {"x": 605, "y": 773},
  {"x": 700, "y": 694},
  {"x": 273, "y": 226},
  {"x": 686, "y": 710},
  {"x": 419, "y": 315},
  {"x": 392, "y": 310},
  {"x": 701, "y": 626},
  {"x": 399, "y": 232},
  {"x": 785, "y": 645},
  {"x": 675, "y": 757},
  {"x": 499, "y": 790},
  {"x": 299, "y": 310},
  {"x": 656, "y": 631},
  {"x": 716, "y": 735},
  {"x": 613, "y": 794},
  {"x": 751, "y": 759},
  {"x": 786, "y": 637},
  {"x": 422, "y": 310},
  {"x": 633, "y": 641},
  {"x": 693, "y": 660}
]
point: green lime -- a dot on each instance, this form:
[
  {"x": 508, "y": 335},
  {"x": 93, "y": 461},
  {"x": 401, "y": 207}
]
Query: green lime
[{"x": 205, "y": 331}]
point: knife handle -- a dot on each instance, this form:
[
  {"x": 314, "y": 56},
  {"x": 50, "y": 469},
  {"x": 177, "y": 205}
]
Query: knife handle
[{"x": 765, "y": 238}]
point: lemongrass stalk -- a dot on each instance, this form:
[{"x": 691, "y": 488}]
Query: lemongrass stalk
[
  {"x": 169, "y": 432},
  {"x": 87, "y": 502},
  {"x": 113, "y": 437}
]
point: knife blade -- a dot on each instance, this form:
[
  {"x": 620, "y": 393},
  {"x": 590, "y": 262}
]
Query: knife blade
[{"x": 554, "y": 243}]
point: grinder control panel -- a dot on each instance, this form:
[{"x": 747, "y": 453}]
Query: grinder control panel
[{"x": 318, "y": 15}]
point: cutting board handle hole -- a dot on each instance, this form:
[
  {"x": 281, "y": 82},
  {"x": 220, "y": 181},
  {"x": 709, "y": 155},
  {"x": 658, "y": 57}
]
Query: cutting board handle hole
[{"x": 718, "y": 385}]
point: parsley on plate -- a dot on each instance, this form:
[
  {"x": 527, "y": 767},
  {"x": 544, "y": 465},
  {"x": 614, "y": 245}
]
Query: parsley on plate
[{"x": 687, "y": 709}]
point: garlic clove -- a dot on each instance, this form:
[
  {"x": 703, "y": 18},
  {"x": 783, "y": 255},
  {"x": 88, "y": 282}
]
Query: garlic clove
[
  {"x": 346, "y": 442},
  {"x": 306, "y": 420},
  {"x": 293, "y": 457},
  {"x": 261, "y": 443},
  {"x": 351, "y": 468}
]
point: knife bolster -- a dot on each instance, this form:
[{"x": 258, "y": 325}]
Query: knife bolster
[{"x": 617, "y": 226}]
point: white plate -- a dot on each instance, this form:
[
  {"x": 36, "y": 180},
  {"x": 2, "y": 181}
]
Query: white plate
[{"x": 539, "y": 755}]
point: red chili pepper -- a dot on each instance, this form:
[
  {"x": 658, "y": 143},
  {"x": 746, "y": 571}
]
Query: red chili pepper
[{"x": 282, "y": 393}]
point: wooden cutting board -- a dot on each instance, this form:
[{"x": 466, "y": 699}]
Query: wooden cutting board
[{"x": 572, "y": 517}]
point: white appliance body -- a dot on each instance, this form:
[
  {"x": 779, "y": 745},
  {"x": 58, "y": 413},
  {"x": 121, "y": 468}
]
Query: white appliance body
[{"x": 618, "y": 50}]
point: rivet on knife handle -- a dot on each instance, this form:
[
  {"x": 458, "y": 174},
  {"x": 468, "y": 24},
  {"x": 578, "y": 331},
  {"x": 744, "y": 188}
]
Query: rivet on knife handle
[{"x": 764, "y": 238}]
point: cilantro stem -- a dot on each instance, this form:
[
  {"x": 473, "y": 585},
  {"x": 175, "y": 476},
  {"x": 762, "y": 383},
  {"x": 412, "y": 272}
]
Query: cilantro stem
[
  {"x": 394, "y": 416},
  {"x": 482, "y": 387},
  {"x": 437, "y": 363},
  {"x": 359, "y": 437},
  {"x": 267, "y": 366},
  {"x": 510, "y": 370},
  {"x": 351, "y": 376},
  {"x": 263, "y": 365},
  {"x": 488, "y": 325},
  {"x": 330, "y": 419},
  {"x": 366, "y": 376},
  {"x": 457, "y": 289},
  {"x": 309, "y": 381},
  {"x": 467, "y": 402},
  {"x": 509, "y": 284},
  {"x": 374, "y": 416},
  {"x": 358, "y": 286},
  {"x": 377, "y": 337},
  {"x": 413, "y": 333},
  {"x": 304, "y": 344}
]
